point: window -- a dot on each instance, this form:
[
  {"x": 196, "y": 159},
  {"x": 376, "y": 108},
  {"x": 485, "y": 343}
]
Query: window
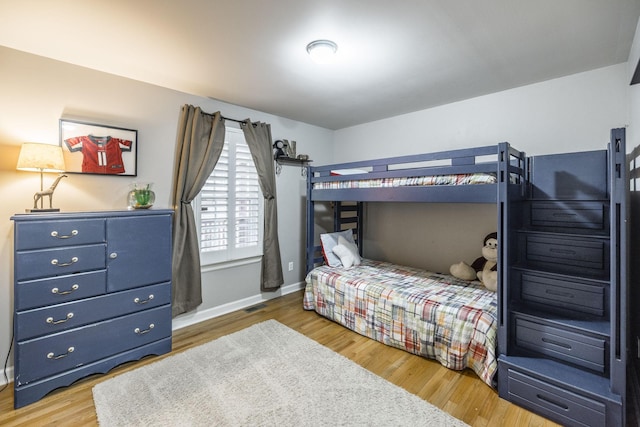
[{"x": 229, "y": 208}]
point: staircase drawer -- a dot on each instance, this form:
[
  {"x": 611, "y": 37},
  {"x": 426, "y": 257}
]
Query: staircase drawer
[
  {"x": 554, "y": 402},
  {"x": 56, "y": 233},
  {"x": 562, "y": 293},
  {"x": 561, "y": 344},
  {"x": 42, "y": 357},
  {"x": 60, "y": 317},
  {"x": 585, "y": 216},
  {"x": 568, "y": 254}
]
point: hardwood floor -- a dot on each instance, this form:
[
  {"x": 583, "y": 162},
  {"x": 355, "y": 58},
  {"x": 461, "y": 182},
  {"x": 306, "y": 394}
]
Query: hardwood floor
[{"x": 461, "y": 394}]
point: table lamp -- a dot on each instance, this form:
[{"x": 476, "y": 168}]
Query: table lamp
[{"x": 42, "y": 158}]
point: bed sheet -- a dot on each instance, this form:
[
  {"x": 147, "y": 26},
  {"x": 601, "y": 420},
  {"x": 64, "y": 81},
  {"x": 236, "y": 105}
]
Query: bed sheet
[
  {"x": 429, "y": 314},
  {"x": 458, "y": 179}
]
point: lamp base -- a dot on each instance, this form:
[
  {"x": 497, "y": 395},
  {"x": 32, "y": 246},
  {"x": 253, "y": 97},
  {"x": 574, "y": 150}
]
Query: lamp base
[{"x": 42, "y": 210}]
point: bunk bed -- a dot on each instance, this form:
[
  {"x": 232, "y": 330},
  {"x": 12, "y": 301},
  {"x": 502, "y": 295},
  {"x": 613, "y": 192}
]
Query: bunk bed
[
  {"x": 553, "y": 337},
  {"x": 429, "y": 314}
]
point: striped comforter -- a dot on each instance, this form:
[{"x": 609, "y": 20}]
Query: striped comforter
[{"x": 428, "y": 314}]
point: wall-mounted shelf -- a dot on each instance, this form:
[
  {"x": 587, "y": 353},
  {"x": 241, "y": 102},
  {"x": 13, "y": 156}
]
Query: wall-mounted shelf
[{"x": 284, "y": 160}]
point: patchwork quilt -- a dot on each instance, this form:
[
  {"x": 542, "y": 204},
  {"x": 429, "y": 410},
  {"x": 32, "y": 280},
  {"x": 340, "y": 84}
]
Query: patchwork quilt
[{"x": 429, "y": 314}]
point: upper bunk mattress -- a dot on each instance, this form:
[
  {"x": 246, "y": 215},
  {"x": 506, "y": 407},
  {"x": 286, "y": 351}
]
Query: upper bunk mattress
[
  {"x": 456, "y": 179},
  {"x": 429, "y": 314}
]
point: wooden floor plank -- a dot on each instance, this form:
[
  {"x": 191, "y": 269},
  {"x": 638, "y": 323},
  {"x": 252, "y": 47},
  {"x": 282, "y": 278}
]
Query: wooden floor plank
[{"x": 462, "y": 394}]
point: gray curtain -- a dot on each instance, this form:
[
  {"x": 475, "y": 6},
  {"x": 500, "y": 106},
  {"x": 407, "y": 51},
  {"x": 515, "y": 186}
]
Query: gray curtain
[
  {"x": 199, "y": 143},
  {"x": 258, "y": 137}
]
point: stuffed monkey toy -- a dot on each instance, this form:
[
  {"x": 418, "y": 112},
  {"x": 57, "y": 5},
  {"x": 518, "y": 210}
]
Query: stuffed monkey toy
[{"x": 484, "y": 268}]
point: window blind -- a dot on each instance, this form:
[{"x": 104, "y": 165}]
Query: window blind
[{"x": 231, "y": 207}]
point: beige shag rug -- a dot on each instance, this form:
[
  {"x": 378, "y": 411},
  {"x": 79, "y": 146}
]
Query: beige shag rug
[{"x": 265, "y": 375}]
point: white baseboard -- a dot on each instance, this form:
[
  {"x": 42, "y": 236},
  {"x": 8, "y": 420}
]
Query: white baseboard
[
  {"x": 187, "y": 319},
  {"x": 197, "y": 316},
  {"x": 9, "y": 376}
]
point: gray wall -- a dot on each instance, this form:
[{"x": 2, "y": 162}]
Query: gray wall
[
  {"x": 37, "y": 92},
  {"x": 573, "y": 113},
  {"x": 633, "y": 146},
  {"x": 566, "y": 114}
]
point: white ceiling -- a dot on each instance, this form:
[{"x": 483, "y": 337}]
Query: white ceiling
[{"x": 393, "y": 57}]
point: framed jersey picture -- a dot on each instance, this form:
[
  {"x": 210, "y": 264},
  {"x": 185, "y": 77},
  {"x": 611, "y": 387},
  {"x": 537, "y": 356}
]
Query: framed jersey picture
[{"x": 98, "y": 149}]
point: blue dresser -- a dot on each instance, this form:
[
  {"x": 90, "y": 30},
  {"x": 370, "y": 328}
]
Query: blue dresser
[{"x": 92, "y": 290}]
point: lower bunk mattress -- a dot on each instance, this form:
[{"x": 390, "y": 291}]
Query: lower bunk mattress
[{"x": 429, "y": 314}]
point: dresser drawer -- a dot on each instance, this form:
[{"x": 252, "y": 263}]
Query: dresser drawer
[
  {"x": 55, "y": 233},
  {"x": 554, "y": 402},
  {"x": 561, "y": 344},
  {"x": 42, "y": 357},
  {"x": 60, "y": 317},
  {"x": 580, "y": 216},
  {"x": 41, "y": 292},
  {"x": 60, "y": 261},
  {"x": 568, "y": 254},
  {"x": 564, "y": 294}
]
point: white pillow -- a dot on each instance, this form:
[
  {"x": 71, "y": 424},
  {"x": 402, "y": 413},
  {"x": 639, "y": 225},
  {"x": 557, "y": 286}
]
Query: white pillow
[
  {"x": 329, "y": 241},
  {"x": 346, "y": 258},
  {"x": 351, "y": 247}
]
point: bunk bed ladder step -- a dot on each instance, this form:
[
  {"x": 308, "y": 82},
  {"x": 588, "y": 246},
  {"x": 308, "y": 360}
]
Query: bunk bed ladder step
[{"x": 349, "y": 215}]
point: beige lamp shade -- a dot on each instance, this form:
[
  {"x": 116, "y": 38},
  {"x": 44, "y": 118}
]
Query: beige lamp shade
[{"x": 40, "y": 158}]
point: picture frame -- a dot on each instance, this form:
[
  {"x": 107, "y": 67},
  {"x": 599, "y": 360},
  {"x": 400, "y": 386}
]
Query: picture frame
[{"x": 97, "y": 149}]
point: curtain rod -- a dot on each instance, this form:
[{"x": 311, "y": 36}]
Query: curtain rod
[
  {"x": 230, "y": 119},
  {"x": 242, "y": 122},
  {"x": 233, "y": 120},
  {"x": 222, "y": 117}
]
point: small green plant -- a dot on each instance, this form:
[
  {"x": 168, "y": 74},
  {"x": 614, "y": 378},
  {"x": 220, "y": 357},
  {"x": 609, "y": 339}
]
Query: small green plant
[{"x": 143, "y": 195}]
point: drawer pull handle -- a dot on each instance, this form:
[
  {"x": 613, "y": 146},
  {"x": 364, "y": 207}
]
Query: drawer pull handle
[
  {"x": 559, "y": 294},
  {"x": 560, "y": 214},
  {"x": 57, "y": 291},
  {"x": 562, "y": 251},
  {"x": 143, "y": 301},
  {"x": 60, "y": 356},
  {"x": 142, "y": 332},
  {"x": 553, "y": 402},
  {"x": 64, "y": 264},
  {"x": 559, "y": 344},
  {"x": 57, "y": 322},
  {"x": 64, "y": 236}
]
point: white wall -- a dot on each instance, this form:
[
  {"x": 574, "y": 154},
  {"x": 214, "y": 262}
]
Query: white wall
[
  {"x": 633, "y": 135},
  {"x": 572, "y": 113},
  {"x": 37, "y": 92},
  {"x": 560, "y": 115},
  {"x": 633, "y": 146},
  {"x": 633, "y": 132}
]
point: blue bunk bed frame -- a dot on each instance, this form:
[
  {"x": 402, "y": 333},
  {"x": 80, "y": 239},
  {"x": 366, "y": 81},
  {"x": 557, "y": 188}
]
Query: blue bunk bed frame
[
  {"x": 507, "y": 163},
  {"x": 554, "y": 204}
]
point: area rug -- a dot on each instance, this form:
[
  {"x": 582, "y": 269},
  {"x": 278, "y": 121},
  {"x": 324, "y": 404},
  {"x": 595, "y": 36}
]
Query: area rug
[{"x": 265, "y": 375}]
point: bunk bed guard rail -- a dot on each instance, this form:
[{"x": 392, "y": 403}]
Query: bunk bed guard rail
[{"x": 445, "y": 177}]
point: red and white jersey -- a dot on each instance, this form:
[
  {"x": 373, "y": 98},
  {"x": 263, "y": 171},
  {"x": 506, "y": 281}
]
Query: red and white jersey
[{"x": 100, "y": 154}]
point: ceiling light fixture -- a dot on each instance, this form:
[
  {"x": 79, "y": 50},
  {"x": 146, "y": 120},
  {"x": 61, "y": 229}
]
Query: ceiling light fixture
[{"x": 322, "y": 51}]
